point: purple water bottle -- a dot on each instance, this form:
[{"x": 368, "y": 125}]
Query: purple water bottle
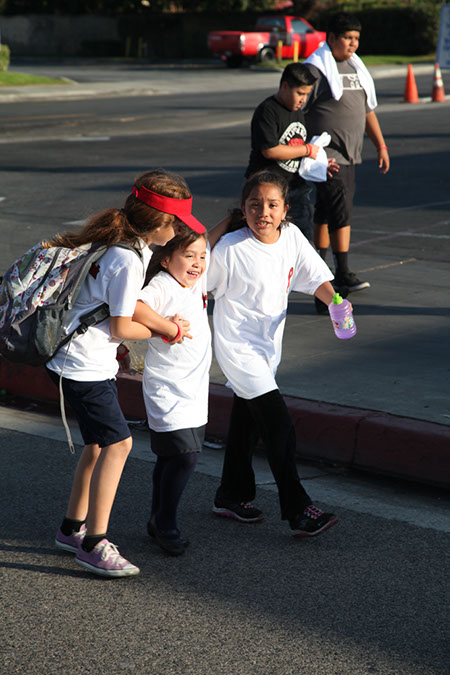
[{"x": 342, "y": 317}]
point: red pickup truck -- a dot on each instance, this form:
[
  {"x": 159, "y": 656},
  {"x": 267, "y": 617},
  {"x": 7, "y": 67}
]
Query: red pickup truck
[{"x": 235, "y": 47}]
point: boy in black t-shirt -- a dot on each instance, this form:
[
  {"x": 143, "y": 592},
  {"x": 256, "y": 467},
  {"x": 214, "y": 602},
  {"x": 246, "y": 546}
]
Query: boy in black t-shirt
[{"x": 278, "y": 138}]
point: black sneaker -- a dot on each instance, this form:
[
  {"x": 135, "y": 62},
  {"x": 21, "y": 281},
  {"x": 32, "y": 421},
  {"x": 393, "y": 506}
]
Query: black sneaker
[
  {"x": 244, "y": 512},
  {"x": 312, "y": 522},
  {"x": 321, "y": 307},
  {"x": 349, "y": 282},
  {"x": 170, "y": 541}
]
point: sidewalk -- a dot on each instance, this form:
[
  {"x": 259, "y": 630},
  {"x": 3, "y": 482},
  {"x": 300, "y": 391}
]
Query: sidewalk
[
  {"x": 154, "y": 81},
  {"x": 378, "y": 402}
]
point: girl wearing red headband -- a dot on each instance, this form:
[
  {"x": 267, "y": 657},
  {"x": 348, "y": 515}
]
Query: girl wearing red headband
[{"x": 151, "y": 215}]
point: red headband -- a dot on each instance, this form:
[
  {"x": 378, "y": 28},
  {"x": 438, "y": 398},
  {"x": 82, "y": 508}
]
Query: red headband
[{"x": 181, "y": 208}]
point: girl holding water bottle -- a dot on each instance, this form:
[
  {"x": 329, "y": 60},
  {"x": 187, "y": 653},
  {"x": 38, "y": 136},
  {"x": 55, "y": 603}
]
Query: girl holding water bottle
[{"x": 253, "y": 269}]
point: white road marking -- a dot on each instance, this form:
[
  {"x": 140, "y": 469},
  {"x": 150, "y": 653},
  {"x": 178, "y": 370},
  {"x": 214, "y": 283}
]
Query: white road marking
[
  {"x": 384, "y": 234},
  {"x": 356, "y": 497},
  {"x": 85, "y": 139},
  {"x": 412, "y": 207}
]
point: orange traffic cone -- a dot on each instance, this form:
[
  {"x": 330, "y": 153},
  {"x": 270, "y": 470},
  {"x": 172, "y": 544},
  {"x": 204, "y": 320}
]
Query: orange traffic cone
[
  {"x": 438, "y": 93},
  {"x": 411, "y": 95}
]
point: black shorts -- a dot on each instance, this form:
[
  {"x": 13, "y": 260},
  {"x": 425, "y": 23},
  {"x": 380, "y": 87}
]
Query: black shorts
[
  {"x": 178, "y": 442},
  {"x": 96, "y": 407},
  {"x": 300, "y": 208},
  {"x": 334, "y": 199}
]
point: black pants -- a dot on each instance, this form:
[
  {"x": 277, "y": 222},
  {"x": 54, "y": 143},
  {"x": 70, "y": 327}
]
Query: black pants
[{"x": 268, "y": 418}]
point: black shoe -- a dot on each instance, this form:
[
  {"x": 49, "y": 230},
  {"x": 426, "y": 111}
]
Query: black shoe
[
  {"x": 244, "y": 512},
  {"x": 348, "y": 283},
  {"x": 169, "y": 540},
  {"x": 321, "y": 307},
  {"x": 312, "y": 522}
]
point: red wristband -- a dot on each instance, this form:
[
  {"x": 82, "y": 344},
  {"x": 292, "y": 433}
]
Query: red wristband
[
  {"x": 309, "y": 148},
  {"x": 177, "y": 336},
  {"x": 119, "y": 357},
  {"x": 382, "y": 147}
]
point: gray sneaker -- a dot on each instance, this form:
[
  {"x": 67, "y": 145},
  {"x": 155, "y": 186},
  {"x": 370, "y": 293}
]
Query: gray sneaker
[{"x": 105, "y": 560}]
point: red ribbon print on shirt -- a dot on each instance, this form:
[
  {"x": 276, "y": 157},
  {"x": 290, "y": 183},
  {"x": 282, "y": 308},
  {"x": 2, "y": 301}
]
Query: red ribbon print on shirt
[{"x": 291, "y": 272}]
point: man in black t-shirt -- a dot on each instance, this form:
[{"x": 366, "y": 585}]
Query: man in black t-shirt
[{"x": 278, "y": 138}]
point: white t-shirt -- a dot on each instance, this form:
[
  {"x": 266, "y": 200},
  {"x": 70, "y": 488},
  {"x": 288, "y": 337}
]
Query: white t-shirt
[
  {"x": 116, "y": 278},
  {"x": 176, "y": 377},
  {"x": 251, "y": 282}
]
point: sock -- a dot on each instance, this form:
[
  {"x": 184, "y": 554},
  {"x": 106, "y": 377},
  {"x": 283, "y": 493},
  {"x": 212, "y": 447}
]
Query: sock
[
  {"x": 341, "y": 262},
  {"x": 322, "y": 252},
  {"x": 69, "y": 525},
  {"x": 91, "y": 540},
  {"x": 173, "y": 473}
]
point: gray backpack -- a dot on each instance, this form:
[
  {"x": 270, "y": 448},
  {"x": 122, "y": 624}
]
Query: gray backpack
[{"x": 35, "y": 295}]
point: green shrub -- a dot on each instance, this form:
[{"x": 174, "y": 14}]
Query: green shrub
[{"x": 4, "y": 58}]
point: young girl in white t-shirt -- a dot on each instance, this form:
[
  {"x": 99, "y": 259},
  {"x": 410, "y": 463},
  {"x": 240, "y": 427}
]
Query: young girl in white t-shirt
[
  {"x": 252, "y": 271},
  {"x": 176, "y": 378},
  {"x": 151, "y": 215}
]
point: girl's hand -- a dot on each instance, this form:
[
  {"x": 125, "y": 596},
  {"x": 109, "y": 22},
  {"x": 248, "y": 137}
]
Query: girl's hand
[
  {"x": 184, "y": 325},
  {"x": 333, "y": 167},
  {"x": 123, "y": 357}
]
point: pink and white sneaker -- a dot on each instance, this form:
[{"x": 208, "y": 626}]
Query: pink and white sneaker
[
  {"x": 72, "y": 542},
  {"x": 105, "y": 560}
]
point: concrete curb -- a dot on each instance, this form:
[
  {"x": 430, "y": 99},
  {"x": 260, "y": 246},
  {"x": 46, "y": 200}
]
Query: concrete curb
[{"x": 363, "y": 439}]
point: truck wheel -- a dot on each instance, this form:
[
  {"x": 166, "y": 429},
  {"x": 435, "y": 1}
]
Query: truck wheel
[
  {"x": 266, "y": 55},
  {"x": 234, "y": 61}
]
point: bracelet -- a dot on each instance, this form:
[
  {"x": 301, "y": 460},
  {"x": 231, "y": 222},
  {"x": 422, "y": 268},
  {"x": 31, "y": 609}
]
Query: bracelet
[
  {"x": 177, "y": 336},
  {"x": 382, "y": 147},
  {"x": 309, "y": 148},
  {"x": 119, "y": 357}
]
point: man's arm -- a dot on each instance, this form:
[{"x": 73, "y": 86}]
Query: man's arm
[{"x": 375, "y": 134}]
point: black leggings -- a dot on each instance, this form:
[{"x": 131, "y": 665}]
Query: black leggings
[{"x": 266, "y": 417}]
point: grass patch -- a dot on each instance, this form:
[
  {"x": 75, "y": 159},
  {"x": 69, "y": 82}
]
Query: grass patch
[{"x": 23, "y": 79}]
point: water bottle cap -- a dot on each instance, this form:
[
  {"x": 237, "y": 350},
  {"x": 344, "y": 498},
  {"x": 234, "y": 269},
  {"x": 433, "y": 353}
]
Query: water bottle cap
[{"x": 337, "y": 300}]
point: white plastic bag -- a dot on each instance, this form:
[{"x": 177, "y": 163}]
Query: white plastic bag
[{"x": 316, "y": 169}]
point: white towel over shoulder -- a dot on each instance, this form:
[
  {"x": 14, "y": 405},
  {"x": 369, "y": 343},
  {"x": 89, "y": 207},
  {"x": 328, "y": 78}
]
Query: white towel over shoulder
[{"x": 324, "y": 60}]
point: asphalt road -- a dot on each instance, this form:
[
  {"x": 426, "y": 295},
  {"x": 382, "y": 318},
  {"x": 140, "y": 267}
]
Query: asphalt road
[{"x": 369, "y": 596}]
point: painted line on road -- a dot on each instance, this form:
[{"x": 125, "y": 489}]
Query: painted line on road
[
  {"x": 359, "y": 499},
  {"x": 45, "y": 117},
  {"x": 384, "y": 235},
  {"x": 383, "y": 267},
  {"x": 85, "y": 139},
  {"x": 412, "y": 207}
]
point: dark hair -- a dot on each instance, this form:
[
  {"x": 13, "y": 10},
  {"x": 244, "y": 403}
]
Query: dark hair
[
  {"x": 134, "y": 220},
  {"x": 341, "y": 22},
  {"x": 182, "y": 240},
  {"x": 260, "y": 178},
  {"x": 297, "y": 75}
]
